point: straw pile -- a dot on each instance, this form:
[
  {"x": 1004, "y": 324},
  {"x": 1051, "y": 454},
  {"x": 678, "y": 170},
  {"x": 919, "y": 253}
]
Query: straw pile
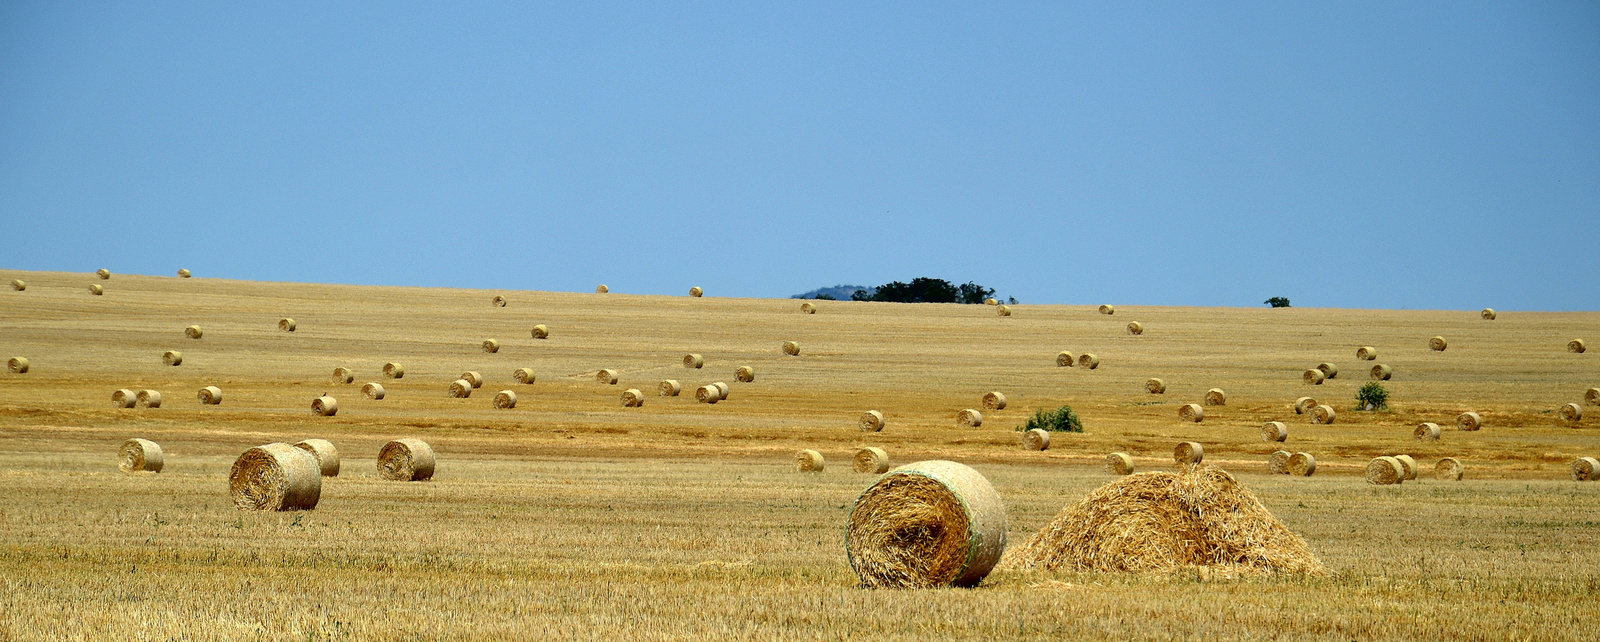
[
  {"x": 184, "y": 273},
  {"x": 1191, "y": 412},
  {"x": 327, "y": 456},
  {"x": 1066, "y": 359},
  {"x": 210, "y": 395},
  {"x": 606, "y": 376},
  {"x": 1302, "y": 465},
  {"x": 708, "y": 394},
  {"x": 808, "y": 461},
  {"x": 325, "y": 406},
  {"x": 491, "y": 346},
  {"x": 461, "y": 389},
  {"x": 172, "y": 358},
  {"x": 123, "y": 398},
  {"x": 1408, "y": 464},
  {"x": 193, "y": 332},
  {"x": 18, "y": 365},
  {"x": 140, "y": 455},
  {"x": 693, "y": 361},
  {"x": 1278, "y": 463},
  {"x": 472, "y": 377},
  {"x": 1572, "y": 413},
  {"x": 406, "y": 460},
  {"x": 669, "y": 388},
  {"x": 499, "y": 301},
  {"x": 994, "y": 401},
  {"x": 373, "y": 391},
  {"x": 872, "y": 461},
  {"x": 601, "y": 289},
  {"x": 969, "y": 418},
  {"x": 1313, "y": 377},
  {"x": 394, "y": 370},
  {"x": 925, "y": 525},
  {"x": 1438, "y": 344},
  {"x": 791, "y": 348},
  {"x": 523, "y": 375},
  {"x": 745, "y": 374},
  {"x": 1323, "y": 414},
  {"x": 1576, "y": 345},
  {"x": 1385, "y": 471},
  {"x": 1329, "y": 371},
  {"x": 632, "y": 398},
  {"x": 1036, "y": 439},
  {"x": 344, "y": 375},
  {"x": 1215, "y": 397},
  {"x": 1366, "y": 353},
  {"x": 1426, "y": 431},
  {"x": 148, "y": 399},
  {"x": 1188, "y": 452},
  {"x": 95, "y": 289},
  {"x": 1274, "y": 431},
  {"x": 696, "y": 292},
  {"x": 286, "y": 324},
  {"x": 1088, "y": 360},
  {"x": 1002, "y": 310},
  {"x": 1487, "y": 314},
  {"x": 1135, "y": 328},
  {"x": 1304, "y": 405},
  {"x": 1585, "y": 469},
  {"x": 1448, "y": 469},
  {"x": 1469, "y": 421},
  {"x": 808, "y": 307},
  {"x": 541, "y": 332},
  {"x": 19, "y": 285},
  {"x": 1119, "y": 464},
  {"x": 103, "y": 273},
  {"x": 1592, "y": 396},
  {"x": 1108, "y": 309},
  {"x": 505, "y": 399},
  {"x": 871, "y": 421},
  {"x": 1161, "y": 522},
  {"x": 1155, "y": 386}
]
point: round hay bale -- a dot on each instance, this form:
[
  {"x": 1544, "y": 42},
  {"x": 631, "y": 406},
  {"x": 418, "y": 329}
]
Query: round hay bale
[
  {"x": 1036, "y": 439},
  {"x": 1188, "y": 452},
  {"x": 1385, "y": 471},
  {"x": 373, "y": 391},
  {"x": 1312, "y": 377},
  {"x": 523, "y": 375},
  {"x": 1274, "y": 431},
  {"x": 1002, "y": 310},
  {"x": 541, "y": 331},
  {"x": 1066, "y": 359},
  {"x": 708, "y": 394},
  {"x": 871, "y": 461},
  {"x": 1469, "y": 421},
  {"x": 19, "y": 285},
  {"x": 505, "y": 399},
  {"x": 994, "y": 401},
  {"x": 723, "y": 389},
  {"x": 1576, "y": 345},
  {"x": 1135, "y": 328},
  {"x": 1302, "y": 465},
  {"x": 1108, "y": 309},
  {"x": 693, "y": 361},
  {"x": 1438, "y": 344},
  {"x": 1426, "y": 431},
  {"x": 808, "y": 461},
  {"x": 124, "y": 398},
  {"x": 1304, "y": 405},
  {"x": 148, "y": 399},
  {"x": 326, "y": 454},
  {"x": 1366, "y": 353},
  {"x": 601, "y": 289},
  {"x": 1323, "y": 414},
  {"x": 491, "y": 346},
  {"x": 669, "y": 388},
  {"x": 95, "y": 289},
  {"x": 1329, "y": 371},
  {"x": 210, "y": 396},
  {"x": 1382, "y": 372},
  {"x": 1088, "y": 360},
  {"x": 461, "y": 389},
  {"x": 1591, "y": 397},
  {"x": 1155, "y": 386},
  {"x": 1191, "y": 412},
  {"x": 925, "y": 525},
  {"x": 140, "y": 455},
  {"x": 969, "y": 418},
  {"x": 286, "y": 324},
  {"x": 342, "y": 374},
  {"x": 193, "y": 332},
  {"x": 103, "y": 273},
  {"x": 1448, "y": 469},
  {"x": 745, "y": 374},
  {"x": 1216, "y": 397},
  {"x": 791, "y": 348},
  {"x": 1488, "y": 314},
  {"x": 606, "y": 376},
  {"x": 394, "y": 370},
  {"x": 325, "y": 406},
  {"x": 632, "y": 398},
  {"x": 696, "y": 292},
  {"x": 498, "y": 301},
  {"x": 990, "y": 302},
  {"x": 472, "y": 377},
  {"x": 406, "y": 460},
  {"x": 1409, "y": 464},
  {"x": 871, "y": 421},
  {"x": 1585, "y": 469},
  {"x": 1119, "y": 464},
  {"x": 18, "y": 365},
  {"x": 808, "y": 307},
  {"x": 1572, "y": 413},
  {"x": 172, "y": 358},
  {"x": 1278, "y": 462},
  {"x": 184, "y": 273}
]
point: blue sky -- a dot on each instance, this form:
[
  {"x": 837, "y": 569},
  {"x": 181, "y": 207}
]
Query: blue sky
[{"x": 1383, "y": 155}]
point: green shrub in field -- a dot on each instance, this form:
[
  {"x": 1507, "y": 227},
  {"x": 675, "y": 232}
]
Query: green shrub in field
[
  {"x": 1372, "y": 396},
  {"x": 1061, "y": 419}
]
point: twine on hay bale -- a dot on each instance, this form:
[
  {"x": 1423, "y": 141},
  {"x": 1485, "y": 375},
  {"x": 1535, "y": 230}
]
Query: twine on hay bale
[
  {"x": 505, "y": 399},
  {"x": 1438, "y": 344},
  {"x": 1164, "y": 521},
  {"x": 498, "y": 301},
  {"x": 540, "y": 331},
  {"x": 1155, "y": 386},
  {"x": 994, "y": 401},
  {"x": 1426, "y": 431},
  {"x": 344, "y": 375},
  {"x": 632, "y": 398},
  {"x": 1585, "y": 469},
  {"x": 925, "y": 525},
  {"x": 696, "y": 292},
  {"x": 1488, "y": 314},
  {"x": 148, "y": 399},
  {"x": 1191, "y": 412},
  {"x": 373, "y": 391},
  {"x": 1448, "y": 469},
  {"x": 1329, "y": 371},
  {"x": 1469, "y": 421},
  {"x": 1385, "y": 471},
  {"x": 1188, "y": 452},
  {"x": 491, "y": 346},
  {"x": 1036, "y": 439},
  {"x": 1366, "y": 353},
  {"x": 18, "y": 365},
  {"x": 791, "y": 348},
  {"x": 606, "y": 376},
  {"x": 325, "y": 406},
  {"x": 1066, "y": 359},
  {"x": 172, "y": 358},
  {"x": 871, "y": 421},
  {"x": 95, "y": 289},
  {"x": 1274, "y": 431},
  {"x": 693, "y": 361},
  {"x": 1304, "y": 405},
  {"x": 808, "y": 461},
  {"x": 745, "y": 374},
  {"x": 326, "y": 454},
  {"x": 140, "y": 455},
  {"x": 103, "y": 273},
  {"x": 472, "y": 377},
  {"x": 1323, "y": 414},
  {"x": 19, "y": 285},
  {"x": 1108, "y": 309},
  {"x": 1312, "y": 377},
  {"x": 1592, "y": 397},
  {"x": 1576, "y": 345},
  {"x": 708, "y": 394},
  {"x": 194, "y": 332},
  {"x": 669, "y": 388},
  {"x": 184, "y": 273},
  {"x": 124, "y": 398},
  {"x": 808, "y": 307},
  {"x": 1088, "y": 360},
  {"x": 1409, "y": 464},
  {"x": 406, "y": 460},
  {"x": 461, "y": 389},
  {"x": 1278, "y": 462},
  {"x": 601, "y": 289},
  {"x": 210, "y": 396},
  {"x": 1382, "y": 372},
  {"x": 394, "y": 370},
  {"x": 1119, "y": 464},
  {"x": 286, "y": 324},
  {"x": 1572, "y": 413},
  {"x": 1002, "y": 310},
  {"x": 1135, "y": 328},
  {"x": 871, "y": 461},
  {"x": 723, "y": 388},
  {"x": 523, "y": 375},
  {"x": 1216, "y": 397},
  {"x": 1302, "y": 465},
  {"x": 969, "y": 418}
]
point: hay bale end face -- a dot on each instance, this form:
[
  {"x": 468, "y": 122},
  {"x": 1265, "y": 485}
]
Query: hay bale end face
[
  {"x": 523, "y": 375},
  {"x": 1216, "y": 397},
  {"x": 1189, "y": 452},
  {"x": 1448, "y": 469},
  {"x": 808, "y": 307},
  {"x": 1108, "y": 309},
  {"x": 696, "y": 292},
  {"x": 693, "y": 361},
  {"x": 194, "y": 332},
  {"x": 1385, "y": 471},
  {"x": 1585, "y": 469},
  {"x": 1312, "y": 377},
  {"x": 1302, "y": 465},
  {"x": 124, "y": 398},
  {"x": 461, "y": 389},
  {"x": 871, "y": 461},
  {"x": 1323, "y": 414},
  {"x": 325, "y": 406},
  {"x": 1088, "y": 360},
  {"x": 1571, "y": 413},
  {"x": 994, "y": 401},
  {"x": 148, "y": 399},
  {"x": 1382, "y": 372},
  {"x": 505, "y": 400},
  {"x": 1329, "y": 370},
  {"x": 1408, "y": 464},
  {"x": 95, "y": 289},
  {"x": 809, "y": 461},
  {"x": 607, "y": 377},
  {"x": 210, "y": 396},
  {"x": 791, "y": 348},
  {"x": 394, "y": 370},
  {"x": 286, "y": 324},
  {"x": 1488, "y": 314},
  {"x": 669, "y": 388},
  {"x": 1274, "y": 431},
  {"x": 172, "y": 358},
  {"x": 406, "y": 460},
  {"x": 1036, "y": 439},
  {"x": 140, "y": 455},
  {"x": 373, "y": 391},
  {"x": 1426, "y": 431},
  {"x": 871, "y": 421},
  {"x": 1066, "y": 359},
  {"x": 1304, "y": 405},
  {"x": 1119, "y": 464},
  {"x": 541, "y": 331},
  {"x": 1135, "y": 328},
  {"x": 326, "y": 454},
  {"x": 1367, "y": 353},
  {"x": 19, "y": 285},
  {"x": 969, "y": 418},
  {"x": 1438, "y": 344},
  {"x": 1155, "y": 386},
  {"x": 1278, "y": 462},
  {"x": 1191, "y": 412},
  {"x": 708, "y": 394},
  {"x": 744, "y": 374},
  {"x": 344, "y": 375},
  {"x": 1002, "y": 310},
  {"x": 1576, "y": 345},
  {"x": 472, "y": 377},
  {"x": 925, "y": 525},
  {"x": 18, "y": 365},
  {"x": 103, "y": 273},
  {"x": 1469, "y": 421},
  {"x": 632, "y": 398},
  {"x": 491, "y": 346},
  {"x": 1592, "y": 397},
  {"x": 498, "y": 301}
]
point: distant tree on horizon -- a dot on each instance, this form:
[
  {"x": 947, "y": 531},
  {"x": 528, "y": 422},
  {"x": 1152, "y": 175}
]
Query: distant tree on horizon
[
  {"x": 926, "y": 290},
  {"x": 1277, "y": 302}
]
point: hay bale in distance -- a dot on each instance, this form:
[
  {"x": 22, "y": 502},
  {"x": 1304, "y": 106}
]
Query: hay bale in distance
[
  {"x": 498, "y": 301},
  {"x": 1312, "y": 377},
  {"x": 184, "y": 273},
  {"x": 1329, "y": 370},
  {"x": 210, "y": 396},
  {"x": 969, "y": 418},
  {"x": 1119, "y": 464},
  {"x": 342, "y": 374},
  {"x": 1002, "y": 310},
  {"x": 124, "y": 398},
  {"x": 1409, "y": 464},
  {"x": 1323, "y": 414},
  {"x": 1585, "y": 469},
  {"x": 1382, "y": 372},
  {"x": 1191, "y": 412},
  {"x": 1155, "y": 386},
  {"x": 791, "y": 348},
  {"x": 1036, "y": 439},
  {"x": 745, "y": 374},
  {"x": 326, "y": 454},
  {"x": 1469, "y": 421},
  {"x": 601, "y": 289},
  {"x": 138, "y": 455},
  {"x": 373, "y": 391},
  {"x": 1278, "y": 462},
  {"x": 696, "y": 292},
  {"x": 19, "y": 285},
  {"x": 1576, "y": 345},
  {"x": 1135, "y": 328},
  {"x": 722, "y": 388},
  {"x": 871, "y": 421},
  {"x": 1188, "y": 452},
  {"x": 1448, "y": 469},
  {"x": 18, "y": 365},
  {"x": 1426, "y": 431},
  {"x": 1385, "y": 471},
  {"x": 994, "y": 401},
  {"x": 103, "y": 273},
  {"x": 491, "y": 346},
  {"x": 871, "y": 461},
  {"x": 1108, "y": 309},
  {"x": 669, "y": 388},
  {"x": 541, "y": 331},
  {"x": 505, "y": 399},
  {"x": 1438, "y": 344},
  {"x": 194, "y": 332},
  {"x": 809, "y": 461},
  {"x": 632, "y": 398},
  {"x": 1274, "y": 431},
  {"x": 172, "y": 358},
  {"x": 1302, "y": 465},
  {"x": 1216, "y": 397},
  {"x": 286, "y": 324},
  {"x": 148, "y": 399},
  {"x": 1592, "y": 397},
  {"x": 1304, "y": 405},
  {"x": 991, "y": 302},
  {"x": 461, "y": 389},
  {"x": 1065, "y": 359},
  {"x": 925, "y": 525},
  {"x": 1488, "y": 314},
  {"x": 808, "y": 307},
  {"x": 606, "y": 376},
  {"x": 1088, "y": 360},
  {"x": 693, "y": 361},
  {"x": 472, "y": 377},
  {"x": 95, "y": 289},
  {"x": 1572, "y": 413},
  {"x": 406, "y": 460},
  {"x": 523, "y": 375},
  {"x": 708, "y": 394},
  {"x": 325, "y": 406},
  {"x": 394, "y": 370},
  {"x": 1367, "y": 353}
]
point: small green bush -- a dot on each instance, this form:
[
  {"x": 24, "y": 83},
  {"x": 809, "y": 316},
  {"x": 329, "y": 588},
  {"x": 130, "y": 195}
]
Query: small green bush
[
  {"x": 1372, "y": 394},
  {"x": 1061, "y": 419}
]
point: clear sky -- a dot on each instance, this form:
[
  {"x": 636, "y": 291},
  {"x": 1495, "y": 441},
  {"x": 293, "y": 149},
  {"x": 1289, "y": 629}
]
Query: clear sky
[{"x": 1382, "y": 155}]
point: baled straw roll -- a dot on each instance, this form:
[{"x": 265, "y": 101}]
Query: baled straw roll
[
  {"x": 1382, "y": 372},
  {"x": 1329, "y": 370},
  {"x": 210, "y": 395},
  {"x": 286, "y": 324},
  {"x": 1409, "y": 464},
  {"x": 342, "y": 374},
  {"x": 394, "y": 370},
  {"x": 1469, "y": 421},
  {"x": 1135, "y": 328},
  {"x": 1119, "y": 464},
  {"x": 669, "y": 388},
  {"x": 926, "y": 525},
  {"x": 1088, "y": 360},
  {"x": 994, "y": 401},
  {"x": 722, "y": 388},
  {"x": 1576, "y": 345},
  {"x": 148, "y": 399},
  {"x": 1304, "y": 405},
  {"x": 172, "y": 358},
  {"x": 491, "y": 346},
  {"x": 791, "y": 348},
  {"x": 326, "y": 454},
  {"x": 692, "y": 360},
  {"x": 1448, "y": 469},
  {"x": 1323, "y": 414},
  {"x": 325, "y": 406},
  {"x": 1155, "y": 386},
  {"x": 1302, "y": 465},
  {"x": 745, "y": 374},
  {"x": 472, "y": 377},
  {"x": 124, "y": 398},
  {"x": 541, "y": 331},
  {"x": 1108, "y": 309},
  {"x": 1487, "y": 314},
  {"x": 696, "y": 292},
  {"x": 523, "y": 375},
  {"x": 990, "y": 302},
  {"x": 872, "y": 461},
  {"x": 461, "y": 389},
  {"x": 103, "y": 273},
  {"x": 140, "y": 455},
  {"x": 1572, "y": 413},
  {"x": 1385, "y": 471},
  {"x": 1312, "y": 377},
  {"x": 1036, "y": 439},
  {"x": 1216, "y": 397},
  {"x": 18, "y": 365},
  {"x": 1191, "y": 412},
  {"x": 1366, "y": 353},
  {"x": 19, "y": 285},
  {"x": 1274, "y": 431},
  {"x": 808, "y": 307},
  {"x": 373, "y": 391},
  {"x": 1426, "y": 431},
  {"x": 1585, "y": 469},
  {"x": 601, "y": 289},
  {"x": 1065, "y": 359},
  {"x": 708, "y": 394},
  {"x": 406, "y": 460},
  {"x": 1002, "y": 310},
  {"x": 871, "y": 421},
  {"x": 969, "y": 418},
  {"x": 809, "y": 461},
  {"x": 193, "y": 332},
  {"x": 632, "y": 398},
  {"x": 1189, "y": 452},
  {"x": 1592, "y": 397},
  {"x": 184, "y": 273},
  {"x": 1438, "y": 344},
  {"x": 1278, "y": 462},
  {"x": 505, "y": 399},
  {"x": 95, "y": 289},
  {"x": 606, "y": 376},
  {"x": 498, "y": 301}
]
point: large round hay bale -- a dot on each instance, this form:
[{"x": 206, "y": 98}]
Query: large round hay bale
[
  {"x": 723, "y": 389},
  {"x": 1191, "y": 412},
  {"x": 210, "y": 396},
  {"x": 491, "y": 346},
  {"x": 1302, "y": 465},
  {"x": 325, "y": 406},
  {"x": 1576, "y": 345},
  {"x": 1135, "y": 328},
  {"x": 461, "y": 389},
  {"x": 669, "y": 388},
  {"x": 19, "y": 285},
  {"x": 194, "y": 332},
  {"x": 523, "y": 375},
  {"x": 498, "y": 301},
  {"x": 1274, "y": 431},
  {"x": 394, "y": 370},
  {"x": 601, "y": 289},
  {"x": 1409, "y": 464},
  {"x": 1304, "y": 405},
  {"x": 18, "y": 365},
  {"x": 1188, "y": 452},
  {"x": 606, "y": 376},
  {"x": 632, "y": 398},
  {"x": 1329, "y": 370},
  {"x": 1088, "y": 360},
  {"x": 925, "y": 525},
  {"x": 693, "y": 361},
  {"x": 1488, "y": 314},
  {"x": 696, "y": 292},
  {"x": 1366, "y": 353},
  {"x": 1312, "y": 377},
  {"x": 1119, "y": 464},
  {"x": 342, "y": 374},
  {"x": 808, "y": 307},
  {"x": 1323, "y": 414},
  {"x": 872, "y": 461},
  {"x": 1036, "y": 439},
  {"x": 1002, "y": 310},
  {"x": 326, "y": 454},
  {"x": 286, "y": 324},
  {"x": 1382, "y": 372},
  {"x": 1066, "y": 359},
  {"x": 472, "y": 377},
  {"x": 1438, "y": 344},
  {"x": 791, "y": 348},
  {"x": 124, "y": 398},
  {"x": 1571, "y": 413},
  {"x": 1216, "y": 397},
  {"x": 809, "y": 461},
  {"x": 1426, "y": 431},
  {"x": 708, "y": 394},
  {"x": 994, "y": 401},
  {"x": 140, "y": 455},
  {"x": 148, "y": 399},
  {"x": 541, "y": 331},
  {"x": 745, "y": 374},
  {"x": 871, "y": 421},
  {"x": 406, "y": 460},
  {"x": 1385, "y": 471},
  {"x": 1278, "y": 462},
  {"x": 103, "y": 273},
  {"x": 1469, "y": 421},
  {"x": 373, "y": 391},
  {"x": 1155, "y": 386},
  {"x": 969, "y": 418},
  {"x": 95, "y": 289},
  {"x": 991, "y": 302},
  {"x": 184, "y": 273},
  {"x": 1108, "y": 309},
  {"x": 1585, "y": 469},
  {"x": 505, "y": 399},
  {"x": 172, "y": 358},
  {"x": 1592, "y": 397},
  {"x": 1448, "y": 469}
]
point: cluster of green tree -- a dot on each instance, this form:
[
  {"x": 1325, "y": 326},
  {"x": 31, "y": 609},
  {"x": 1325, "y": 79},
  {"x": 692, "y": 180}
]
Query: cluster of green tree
[{"x": 926, "y": 290}]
